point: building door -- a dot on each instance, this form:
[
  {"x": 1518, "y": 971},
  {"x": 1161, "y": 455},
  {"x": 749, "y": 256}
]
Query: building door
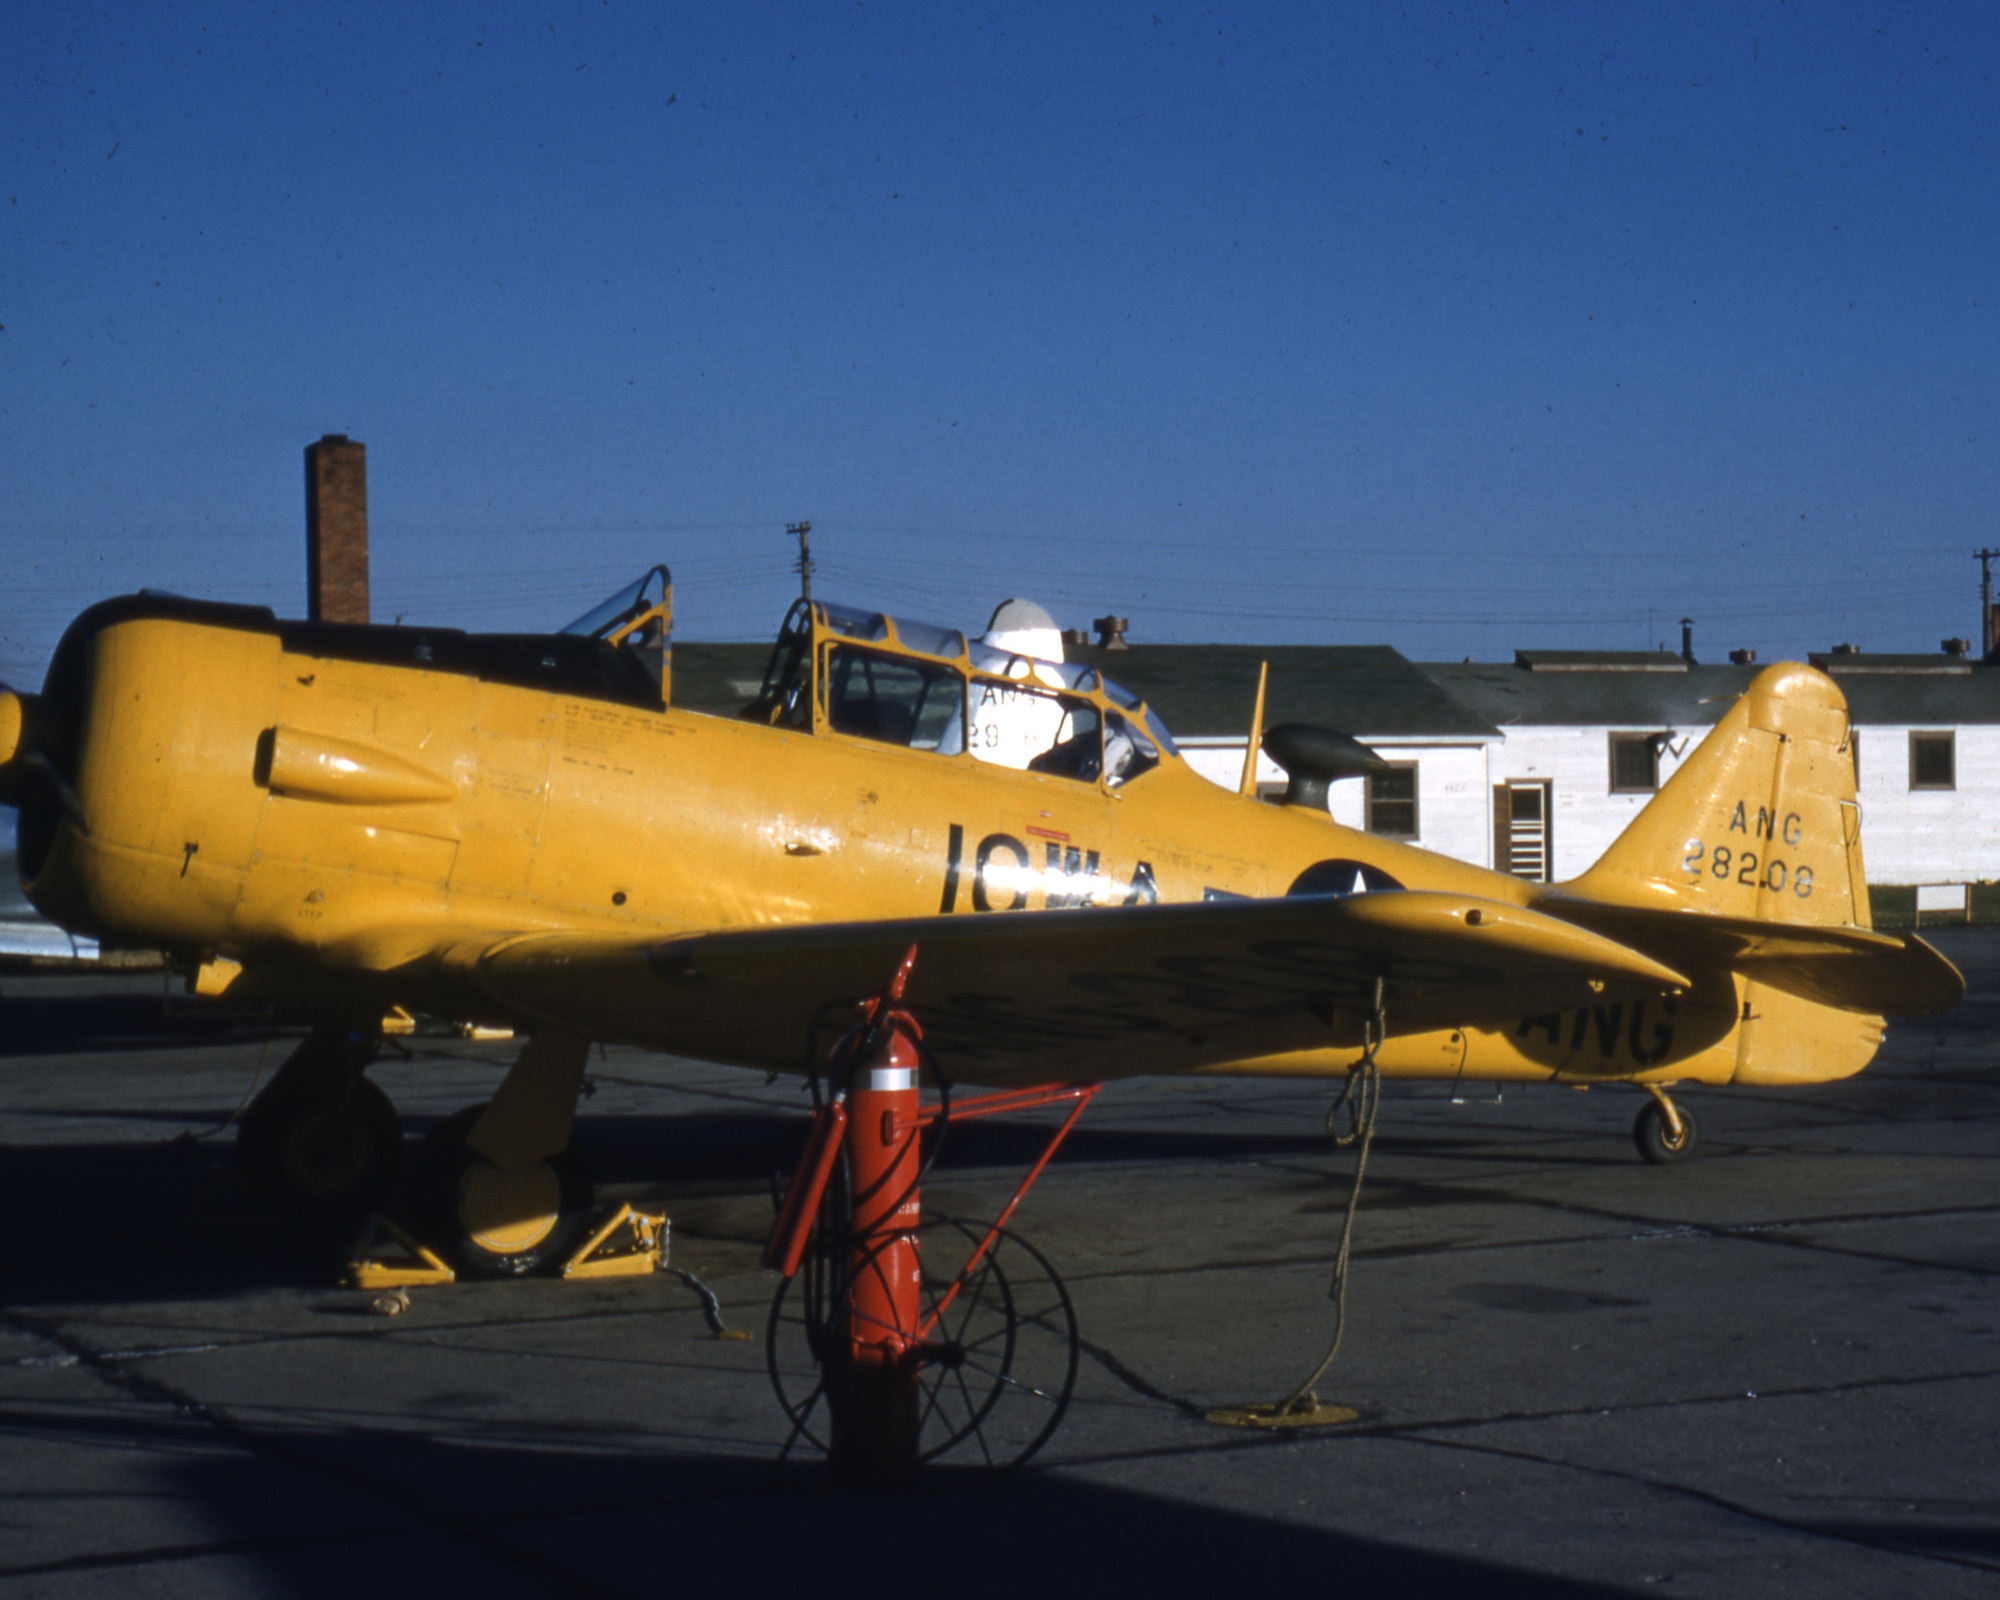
[{"x": 1521, "y": 819}]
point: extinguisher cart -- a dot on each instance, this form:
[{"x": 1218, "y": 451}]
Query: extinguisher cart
[{"x": 894, "y": 1339}]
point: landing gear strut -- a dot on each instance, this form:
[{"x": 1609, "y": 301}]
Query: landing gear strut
[
  {"x": 321, "y": 1142},
  {"x": 1664, "y": 1132}
]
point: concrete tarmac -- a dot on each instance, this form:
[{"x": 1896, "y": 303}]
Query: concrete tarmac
[{"x": 1771, "y": 1371}]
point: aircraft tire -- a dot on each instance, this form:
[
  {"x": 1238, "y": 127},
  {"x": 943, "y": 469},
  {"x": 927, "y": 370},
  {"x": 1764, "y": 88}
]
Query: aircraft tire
[
  {"x": 1649, "y": 1133},
  {"x": 552, "y": 1199},
  {"x": 324, "y": 1160}
]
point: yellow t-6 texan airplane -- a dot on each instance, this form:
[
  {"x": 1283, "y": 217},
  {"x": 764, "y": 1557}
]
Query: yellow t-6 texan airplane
[{"x": 523, "y": 829}]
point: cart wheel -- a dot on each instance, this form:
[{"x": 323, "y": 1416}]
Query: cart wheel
[
  {"x": 1649, "y": 1133},
  {"x": 1002, "y": 1355}
]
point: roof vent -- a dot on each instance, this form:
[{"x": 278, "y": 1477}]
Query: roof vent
[
  {"x": 1111, "y": 632},
  {"x": 1315, "y": 757},
  {"x": 1845, "y": 650},
  {"x": 1955, "y": 647},
  {"x": 1743, "y": 658}
]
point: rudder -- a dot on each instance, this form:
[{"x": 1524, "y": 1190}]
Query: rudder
[{"x": 1760, "y": 822}]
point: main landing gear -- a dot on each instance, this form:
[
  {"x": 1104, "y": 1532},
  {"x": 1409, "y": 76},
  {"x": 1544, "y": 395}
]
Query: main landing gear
[
  {"x": 322, "y": 1143},
  {"x": 501, "y": 1190},
  {"x": 496, "y": 1191},
  {"x": 1664, "y": 1132}
]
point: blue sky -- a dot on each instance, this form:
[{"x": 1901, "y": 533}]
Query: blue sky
[{"x": 1457, "y": 328}]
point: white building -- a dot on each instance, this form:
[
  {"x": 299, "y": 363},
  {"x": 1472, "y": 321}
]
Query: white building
[
  {"x": 1587, "y": 738},
  {"x": 1536, "y": 766},
  {"x": 1927, "y": 752}
]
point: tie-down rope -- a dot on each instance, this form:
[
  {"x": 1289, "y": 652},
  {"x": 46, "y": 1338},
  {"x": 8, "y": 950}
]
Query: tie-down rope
[{"x": 1362, "y": 1096}]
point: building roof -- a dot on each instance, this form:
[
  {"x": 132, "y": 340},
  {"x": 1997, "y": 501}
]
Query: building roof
[
  {"x": 1573, "y": 695},
  {"x": 1600, "y": 661},
  {"x": 1209, "y": 690},
  {"x": 1841, "y": 662},
  {"x": 1938, "y": 700},
  {"x": 1940, "y": 691}
]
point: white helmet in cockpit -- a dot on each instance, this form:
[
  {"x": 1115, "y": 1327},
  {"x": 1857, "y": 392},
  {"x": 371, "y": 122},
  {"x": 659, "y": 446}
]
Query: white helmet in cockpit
[
  {"x": 1023, "y": 628},
  {"x": 1010, "y": 728}
]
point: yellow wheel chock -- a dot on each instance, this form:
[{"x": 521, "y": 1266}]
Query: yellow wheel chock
[
  {"x": 641, "y": 1250},
  {"x": 644, "y": 1247},
  {"x": 417, "y": 1267}
]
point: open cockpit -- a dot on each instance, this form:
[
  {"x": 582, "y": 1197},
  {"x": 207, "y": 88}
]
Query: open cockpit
[
  {"x": 637, "y": 621},
  {"x": 1006, "y": 699},
  {"x": 912, "y": 684}
]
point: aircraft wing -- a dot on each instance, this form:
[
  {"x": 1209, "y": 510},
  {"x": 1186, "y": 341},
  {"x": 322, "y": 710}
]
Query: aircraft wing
[
  {"x": 1851, "y": 969},
  {"x": 1081, "y": 994}
]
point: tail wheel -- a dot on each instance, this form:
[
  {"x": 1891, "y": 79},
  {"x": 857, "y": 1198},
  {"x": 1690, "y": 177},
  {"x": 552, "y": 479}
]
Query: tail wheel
[
  {"x": 1656, "y": 1141},
  {"x": 497, "y": 1222},
  {"x": 995, "y": 1373},
  {"x": 324, "y": 1158}
]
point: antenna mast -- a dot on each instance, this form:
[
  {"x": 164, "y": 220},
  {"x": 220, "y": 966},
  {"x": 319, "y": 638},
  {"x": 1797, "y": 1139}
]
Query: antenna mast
[
  {"x": 1986, "y": 638},
  {"x": 802, "y": 531}
]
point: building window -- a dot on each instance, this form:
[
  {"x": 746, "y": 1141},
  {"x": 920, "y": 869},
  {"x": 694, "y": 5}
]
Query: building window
[
  {"x": 1635, "y": 763},
  {"x": 1933, "y": 762},
  {"x": 1521, "y": 836},
  {"x": 1392, "y": 801}
]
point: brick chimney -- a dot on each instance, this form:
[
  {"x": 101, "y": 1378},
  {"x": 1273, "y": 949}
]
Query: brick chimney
[{"x": 337, "y": 530}]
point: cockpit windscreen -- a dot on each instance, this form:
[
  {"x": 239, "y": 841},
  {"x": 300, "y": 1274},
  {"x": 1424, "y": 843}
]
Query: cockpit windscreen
[{"x": 630, "y": 601}]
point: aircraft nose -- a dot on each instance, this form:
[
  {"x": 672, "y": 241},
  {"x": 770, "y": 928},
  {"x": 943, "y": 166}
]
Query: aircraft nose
[
  {"x": 15, "y": 715},
  {"x": 12, "y": 719}
]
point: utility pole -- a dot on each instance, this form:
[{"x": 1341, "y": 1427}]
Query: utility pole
[
  {"x": 1986, "y": 639},
  {"x": 802, "y": 531}
]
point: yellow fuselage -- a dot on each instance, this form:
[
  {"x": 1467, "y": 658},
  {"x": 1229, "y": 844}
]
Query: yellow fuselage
[{"x": 265, "y": 794}]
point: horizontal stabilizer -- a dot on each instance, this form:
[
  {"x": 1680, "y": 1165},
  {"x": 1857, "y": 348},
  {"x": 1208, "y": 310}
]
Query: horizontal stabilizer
[{"x": 1852, "y": 969}]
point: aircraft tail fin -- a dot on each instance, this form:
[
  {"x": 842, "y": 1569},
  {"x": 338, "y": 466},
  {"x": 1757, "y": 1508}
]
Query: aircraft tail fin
[{"x": 1760, "y": 822}]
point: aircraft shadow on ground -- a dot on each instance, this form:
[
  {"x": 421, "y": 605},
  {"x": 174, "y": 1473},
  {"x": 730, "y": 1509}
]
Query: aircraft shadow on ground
[
  {"x": 135, "y": 1220},
  {"x": 128, "y": 1221},
  {"x": 329, "y": 1511},
  {"x": 89, "y": 1022}
]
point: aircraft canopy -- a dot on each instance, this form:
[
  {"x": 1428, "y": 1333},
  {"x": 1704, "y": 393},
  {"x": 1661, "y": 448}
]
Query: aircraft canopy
[{"x": 928, "y": 687}]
